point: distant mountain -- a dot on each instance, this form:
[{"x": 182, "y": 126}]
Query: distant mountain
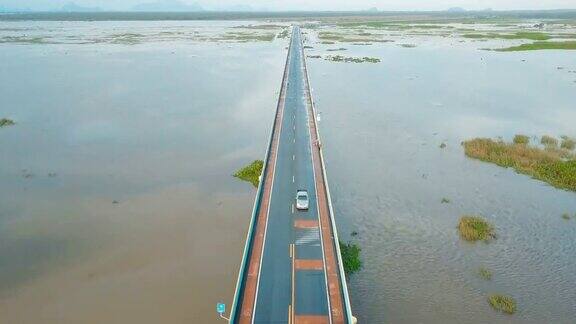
[
  {"x": 456, "y": 9},
  {"x": 167, "y": 5},
  {"x": 73, "y": 7}
]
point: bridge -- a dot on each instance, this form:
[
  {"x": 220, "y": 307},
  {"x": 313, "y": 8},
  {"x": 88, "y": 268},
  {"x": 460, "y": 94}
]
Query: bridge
[{"x": 291, "y": 270}]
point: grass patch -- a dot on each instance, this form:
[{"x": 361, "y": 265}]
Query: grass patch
[
  {"x": 347, "y": 59},
  {"x": 549, "y": 141},
  {"x": 25, "y": 39},
  {"x": 475, "y": 228},
  {"x": 326, "y": 36},
  {"x": 485, "y": 273},
  {"x": 554, "y": 166},
  {"x": 521, "y": 139},
  {"x": 251, "y": 173},
  {"x": 4, "y": 122},
  {"x": 568, "y": 45},
  {"x": 445, "y": 200},
  {"x": 518, "y": 35},
  {"x": 350, "y": 257},
  {"x": 566, "y": 216},
  {"x": 502, "y": 303},
  {"x": 247, "y": 37}
]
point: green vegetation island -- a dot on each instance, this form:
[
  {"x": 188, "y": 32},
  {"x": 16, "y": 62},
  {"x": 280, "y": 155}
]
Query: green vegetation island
[
  {"x": 550, "y": 163},
  {"x": 503, "y": 303},
  {"x": 350, "y": 257},
  {"x": 4, "y": 122},
  {"x": 475, "y": 228},
  {"x": 485, "y": 273},
  {"x": 567, "y": 45},
  {"x": 347, "y": 59},
  {"x": 251, "y": 173}
]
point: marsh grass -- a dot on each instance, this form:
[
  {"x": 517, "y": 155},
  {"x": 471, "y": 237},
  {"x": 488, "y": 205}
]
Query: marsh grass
[
  {"x": 347, "y": 59},
  {"x": 568, "y": 143},
  {"x": 485, "y": 273},
  {"x": 4, "y": 122},
  {"x": 502, "y": 303},
  {"x": 521, "y": 139},
  {"x": 567, "y": 45},
  {"x": 549, "y": 141},
  {"x": 247, "y": 37},
  {"x": 26, "y": 40},
  {"x": 552, "y": 165},
  {"x": 475, "y": 228},
  {"x": 251, "y": 173},
  {"x": 329, "y": 36},
  {"x": 350, "y": 257},
  {"x": 538, "y": 36}
]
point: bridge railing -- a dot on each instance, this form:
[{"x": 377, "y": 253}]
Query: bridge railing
[
  {"x": 255, "y": 210},
  {"x": 343, "y": 284}
]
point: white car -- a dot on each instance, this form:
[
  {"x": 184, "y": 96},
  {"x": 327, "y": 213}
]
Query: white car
[{"x": 302, "y": 200}]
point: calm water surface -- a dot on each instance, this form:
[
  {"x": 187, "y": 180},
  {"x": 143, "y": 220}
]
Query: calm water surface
[
  {"x": 382, "y": 126},
  {"x": 116, "y": 200}
]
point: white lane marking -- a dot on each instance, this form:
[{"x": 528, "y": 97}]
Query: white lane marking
[
  {"x": 293, "y": 157},
  {"x": 292, "y": 208},
  {"x": 309, "y": 237},
  {"x": 292, "y": 179},
  {"x": 294, "y": 140}
]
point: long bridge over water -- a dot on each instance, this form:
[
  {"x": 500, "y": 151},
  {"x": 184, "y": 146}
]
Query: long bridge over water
[{"x": 292, "y": 271}]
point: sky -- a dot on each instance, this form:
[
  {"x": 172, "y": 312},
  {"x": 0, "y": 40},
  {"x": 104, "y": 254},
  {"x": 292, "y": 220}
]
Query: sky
[{"x": 308, "y": 4}]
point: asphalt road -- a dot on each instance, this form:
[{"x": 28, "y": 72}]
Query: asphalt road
[{"x": 292, "y": 277}]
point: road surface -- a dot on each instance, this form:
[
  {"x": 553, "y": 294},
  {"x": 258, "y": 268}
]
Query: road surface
[{"x": 292, "y": 274}]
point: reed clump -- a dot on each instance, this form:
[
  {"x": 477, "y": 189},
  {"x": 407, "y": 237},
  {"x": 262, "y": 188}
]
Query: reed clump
[
  {"x": 475, "y": 228},
  {"x": 550, "y": 164}
]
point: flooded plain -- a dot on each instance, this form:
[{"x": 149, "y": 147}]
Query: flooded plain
[
  {"x": 117, "y": 202},
  {"x": 383, "y": 126}
]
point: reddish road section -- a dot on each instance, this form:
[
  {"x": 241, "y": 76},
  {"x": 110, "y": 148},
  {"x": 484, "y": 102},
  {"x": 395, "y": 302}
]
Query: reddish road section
[{"x": 328, "y": 237}]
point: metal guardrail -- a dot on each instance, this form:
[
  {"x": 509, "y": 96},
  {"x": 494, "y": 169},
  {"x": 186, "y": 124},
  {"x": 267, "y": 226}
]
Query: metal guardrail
[
  {"x": 256, "y": 208},
  {"x": 343, "y": 284}
]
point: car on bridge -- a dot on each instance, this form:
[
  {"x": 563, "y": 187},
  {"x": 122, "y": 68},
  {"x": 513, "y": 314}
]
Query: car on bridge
[{"x": 302, "y": 200}]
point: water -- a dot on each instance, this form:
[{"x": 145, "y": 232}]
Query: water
[
  {"x": 158, "y": 125},
  {"x": 382, "y": 125}
]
